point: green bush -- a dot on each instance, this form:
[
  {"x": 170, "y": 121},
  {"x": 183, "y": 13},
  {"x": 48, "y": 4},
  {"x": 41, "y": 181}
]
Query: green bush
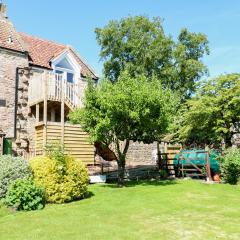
[
  {"x": 56, "y": 151},
  {"x": 23, "y": 194},
  {"x": 230, "y": 166},
  {"x": 64, "y": 179},
  {"x": 12, "y": 168},
  {"x": 163, "y": 174}
]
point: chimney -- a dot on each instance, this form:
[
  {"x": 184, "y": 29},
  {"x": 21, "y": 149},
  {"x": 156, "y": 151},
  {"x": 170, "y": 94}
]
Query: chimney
[{"x": 3, "y": 10}]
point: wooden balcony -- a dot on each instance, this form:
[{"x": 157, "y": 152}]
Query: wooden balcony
[
  {"x": 55, "y": 95},
  {"x": 53, "y": 87}
]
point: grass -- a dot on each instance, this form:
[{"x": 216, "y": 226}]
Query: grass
[
  {"x": 147, "y": 210},
  {"x": 3, "y": 211}
]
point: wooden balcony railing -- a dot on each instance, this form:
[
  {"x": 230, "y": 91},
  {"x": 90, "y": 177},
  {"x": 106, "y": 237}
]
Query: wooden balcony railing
[{"x": 54, "y": 87}]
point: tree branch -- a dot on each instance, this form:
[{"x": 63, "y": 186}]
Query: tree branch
[{"x": 126, "y": 147}]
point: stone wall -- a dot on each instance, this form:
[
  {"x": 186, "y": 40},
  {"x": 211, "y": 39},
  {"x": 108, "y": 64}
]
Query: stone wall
[
  {"x": 141, "y": 154},
  {"x": 9, "y": 61},
  {"x": 82, "y": 86},
  {"x": 25, "y": 125},
  {"x": 140, "y": 157},
  {"x": 236, "y": 140},
  {"x": 23, "y": 143}
]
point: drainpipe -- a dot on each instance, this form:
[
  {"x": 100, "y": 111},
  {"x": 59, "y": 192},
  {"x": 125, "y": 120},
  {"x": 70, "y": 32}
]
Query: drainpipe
[{"x": 16, "y": 103}]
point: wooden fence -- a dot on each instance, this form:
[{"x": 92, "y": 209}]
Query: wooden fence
[{"x": 76, "y": 141}]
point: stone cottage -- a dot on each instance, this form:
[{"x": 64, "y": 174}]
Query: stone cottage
[{"x": 40, "y": 81}]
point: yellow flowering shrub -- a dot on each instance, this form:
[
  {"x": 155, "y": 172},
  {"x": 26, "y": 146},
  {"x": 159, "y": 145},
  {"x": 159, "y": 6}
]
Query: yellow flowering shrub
[{"x": 63, "y": 181}]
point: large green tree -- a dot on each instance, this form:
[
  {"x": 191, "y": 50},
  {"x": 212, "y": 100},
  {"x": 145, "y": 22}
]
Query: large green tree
[
  {"x": 213, "y": 114},
  {"x": 131, "y": 109},
  {"x": 140, "y": 46}
]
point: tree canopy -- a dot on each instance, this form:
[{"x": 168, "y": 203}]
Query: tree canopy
[
  {"x": 131, "y": 109},
  {"x": 145, "y": 73},
  {"x": 140, "y": 46},
  {"x": 212, "y": 115}
]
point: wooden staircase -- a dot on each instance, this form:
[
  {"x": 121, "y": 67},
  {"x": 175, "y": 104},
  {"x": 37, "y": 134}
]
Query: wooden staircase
[{"x": 70, "y": 105}]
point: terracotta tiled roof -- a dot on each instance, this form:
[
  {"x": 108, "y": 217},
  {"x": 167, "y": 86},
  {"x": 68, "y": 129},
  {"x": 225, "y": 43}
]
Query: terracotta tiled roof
[
  {"x": 42, "y": 51},
  {"x": 9, "y": 37}
]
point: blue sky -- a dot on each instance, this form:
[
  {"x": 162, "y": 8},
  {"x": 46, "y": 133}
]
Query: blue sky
[{"x": 73, "y": 22}]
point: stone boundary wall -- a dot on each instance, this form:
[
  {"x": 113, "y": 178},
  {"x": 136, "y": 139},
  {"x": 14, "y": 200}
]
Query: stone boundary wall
[
  {"x": 138, "y": 155},
  {"x": 141, "y": 154}
]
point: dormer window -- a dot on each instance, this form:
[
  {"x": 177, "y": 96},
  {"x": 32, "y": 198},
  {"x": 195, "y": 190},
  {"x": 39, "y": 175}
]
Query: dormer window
[
  {"x": 66, "y": 65},
  {"x": 65, "y": 68}
]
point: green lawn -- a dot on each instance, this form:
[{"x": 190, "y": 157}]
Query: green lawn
[{"x": 148, "y": 210}]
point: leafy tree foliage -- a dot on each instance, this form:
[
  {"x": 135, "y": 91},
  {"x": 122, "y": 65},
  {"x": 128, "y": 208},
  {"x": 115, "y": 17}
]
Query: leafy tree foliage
[
  {"x": 131, "y": 109},
  {"x": 212, "y": 115},
  {"x": 140, "y": 46},
  {"x": 143, "y": 63},
  {"x": 230, "y": 166},
  {"x": 188, "y": 67}
]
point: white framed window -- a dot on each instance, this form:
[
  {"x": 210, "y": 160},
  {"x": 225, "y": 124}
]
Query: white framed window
[
  {"x": 67, "y": 74},
  {"x": 66, "y": 65}
]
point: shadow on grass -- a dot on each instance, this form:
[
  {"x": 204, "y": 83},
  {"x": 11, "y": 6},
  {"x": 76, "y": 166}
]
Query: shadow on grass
[
  {"x": 4, "y": 211},
  {"x": 141, "y": 183},
  {"x": 88, "y": 194}
]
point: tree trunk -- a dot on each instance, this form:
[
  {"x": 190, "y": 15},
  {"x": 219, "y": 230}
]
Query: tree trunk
[
  {"x": 121, "y": 170},
  {"x": 159, "y": 158},
  {"x": 121, "y": 161},
  {"x": 228, "y": 140}
]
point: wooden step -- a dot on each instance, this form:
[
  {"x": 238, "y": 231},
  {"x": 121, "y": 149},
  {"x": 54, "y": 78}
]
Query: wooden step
[
  {"x": 190, "y": 169},
  {"x": 190, "y": 165},
  {"x": 195, "y": 174}
]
